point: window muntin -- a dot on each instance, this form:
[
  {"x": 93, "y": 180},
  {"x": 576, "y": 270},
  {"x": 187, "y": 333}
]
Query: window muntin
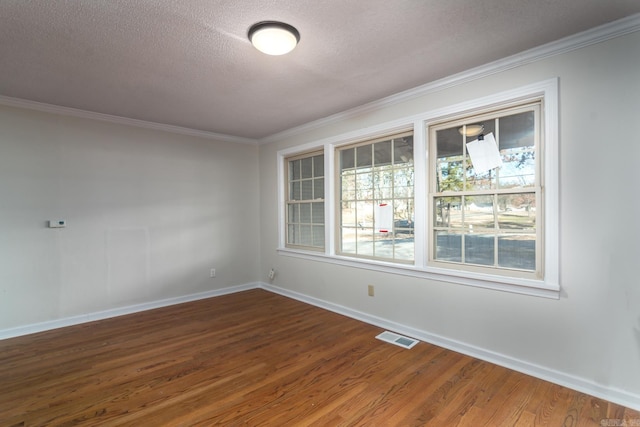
[
  {"x": 376, "y": 199},
  {"x": 305, "y": 201},
  {"x": 488, "y": 221}
]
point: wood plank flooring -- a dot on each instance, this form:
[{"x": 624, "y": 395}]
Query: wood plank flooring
[{"x": 259, "y": 359}]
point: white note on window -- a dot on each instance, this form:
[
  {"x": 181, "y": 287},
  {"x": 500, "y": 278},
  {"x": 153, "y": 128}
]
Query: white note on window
[
  {"x": 384, "y": 217},
  {"x": 484, "y": 154}
]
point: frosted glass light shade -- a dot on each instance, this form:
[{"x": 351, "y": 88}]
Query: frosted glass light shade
[{"x": 274, "y": 38}]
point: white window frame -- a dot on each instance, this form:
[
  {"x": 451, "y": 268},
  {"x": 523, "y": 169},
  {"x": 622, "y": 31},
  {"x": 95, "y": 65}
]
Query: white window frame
[
  {"x": 535, "y": 106},
  {"x": 393, "y": 197},
  {"x": 547, "y": 286},
  {"x": 288, "y": 201}
]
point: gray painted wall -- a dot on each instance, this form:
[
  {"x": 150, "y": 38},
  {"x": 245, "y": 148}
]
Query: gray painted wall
[
  {"x": 592, "y": 332},
  {"x": 148, "y": 215}
]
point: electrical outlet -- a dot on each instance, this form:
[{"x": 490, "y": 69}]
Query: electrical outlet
[
  {"x": 212, "y": 273},
  {"x": 272, "y": 274},
  {"x": 371, "y": 291}
]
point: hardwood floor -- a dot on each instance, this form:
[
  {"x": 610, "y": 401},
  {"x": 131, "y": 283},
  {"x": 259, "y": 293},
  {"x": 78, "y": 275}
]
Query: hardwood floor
[{"x": 260, "y": 359}]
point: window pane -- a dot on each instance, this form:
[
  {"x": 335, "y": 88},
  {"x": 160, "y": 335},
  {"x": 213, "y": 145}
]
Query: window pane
[
  {"x": 517, "y": 148},
  {"x": 382, "y": 153},
  {"x": 307, "y": 190},
  {"x": 305, "y": 213},
  {"x": 348, "y": 185},
  {"x": 347, "y": 159},
  {"x": 294, "y": 169},
  {"x": 318, "y": 166},
  {"x": 294, "y": 193},
  {"x": 403, "y": 150},
  {"x": 307, "y": 167},
  {"x": 364, "y": 186},
  {"x": 318, "y": 188},
  {"x": 364, "y": 214},
  {"x": 404, "y": 249},
  {"x": 348, "y": 214},
  {"x": 383, "y": 246},
  {"x": 449, "y": 156},
  {"x": 305, "y": 235},
  {"x": 318, "y": 235},
  {"x": 403, "y": 182},
  {"x": 517, "y": 211},
  {"x": 517, "y": 131},
  {"x": 403, "y": 213},
  {"x": 364, "y": 156},
  {"x": 448, "y": 246},
  {"x": 292, "y": 234},
  {"x": 348, "y": 240},
  {"x": 517, "y": 251},
  {"x": 479, "y": 249},
  {"x": 518, "y": 168},
  {"x": 383, "y": 183},
  {"x": 294, "y": 215},
  {"x": 478, "y": 212},
  {"x": 365, "y": 241},
  {"x": 447, "y": 212},
  {"x": 317, "y": 212}
]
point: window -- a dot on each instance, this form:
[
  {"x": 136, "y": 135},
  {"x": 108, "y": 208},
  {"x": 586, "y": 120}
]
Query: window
[
  {"x": 486, "y": 216},
  {"x": 305, "y": 201},
  {"x": 376, "y": 205},
  {"x": 413, "y": 197}
]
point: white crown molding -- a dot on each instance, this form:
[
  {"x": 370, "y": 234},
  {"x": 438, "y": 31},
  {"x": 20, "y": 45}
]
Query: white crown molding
[
  {"x": 589, "y": 37},
  {"x": 74, "y": 112}
]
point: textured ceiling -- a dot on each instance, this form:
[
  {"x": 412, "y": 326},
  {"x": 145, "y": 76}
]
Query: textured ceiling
[{"x": 188, "y": 63}]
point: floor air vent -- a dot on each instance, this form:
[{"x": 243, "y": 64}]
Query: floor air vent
[{"x": 396, "y": 339}]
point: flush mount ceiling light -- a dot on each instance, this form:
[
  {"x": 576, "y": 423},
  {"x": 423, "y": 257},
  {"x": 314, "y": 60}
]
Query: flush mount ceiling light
[
  {"x": 273, "y": 38},
  {"x": 471, "y": 130}
]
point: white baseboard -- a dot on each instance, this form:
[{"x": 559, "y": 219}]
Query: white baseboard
[
  {"x": 120, "y": 311},
  {"x": 583, "y": 385},
  {"x": 621, "y": 397}
]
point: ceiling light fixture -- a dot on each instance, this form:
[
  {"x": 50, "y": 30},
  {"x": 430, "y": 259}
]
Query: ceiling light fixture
[
  {"x": 471, "y": 130},
  {"x": 273, "y": 38}
]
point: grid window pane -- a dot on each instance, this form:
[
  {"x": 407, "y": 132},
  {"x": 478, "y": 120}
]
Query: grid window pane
[
  {"x": 294, "y": 213},
  {"x": 307, "y": 167},
  {"x": 307, "y": 190},
  {"x": 318, "y": 188},
  {"x": 517, "y": 251},
  {"x": 317, "y": 213},
  {"x": 318, "y": 235},
  {"x": 517, "y": 211},
  {"x": 381, "y": 173},
  {"x": 448, "y": 246},
  {"x": 365, "y": 241},
  {"x": 292, "y": 234},
  {"x": 448, "y": 212},
  {"x": 305, "y": 213},
  {"x": 306, "y": 238},
  {"x": 382, "y": 153},
  {"x": 479, "y": 212},
  {"x": 347, "y": 159},
  {"x": 348, "y": 240},
  {"x": 305, "y": 203},
  {"x": 479, "y": 249},
  {"x": 364, "y": 157},
  {"x": 482, "y": 219}
]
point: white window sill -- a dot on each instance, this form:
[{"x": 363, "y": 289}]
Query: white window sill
[{"x": 536, "y": 288}]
